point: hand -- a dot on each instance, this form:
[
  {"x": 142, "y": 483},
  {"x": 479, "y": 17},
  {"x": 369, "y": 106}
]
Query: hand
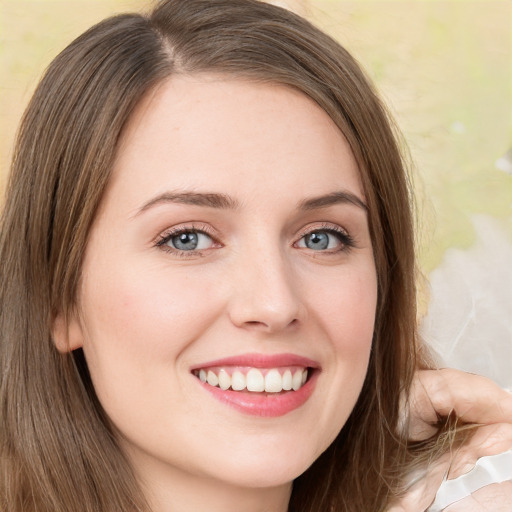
[
  {"x": 487, "y": 440},
  {"x": 474, "y": 399}
]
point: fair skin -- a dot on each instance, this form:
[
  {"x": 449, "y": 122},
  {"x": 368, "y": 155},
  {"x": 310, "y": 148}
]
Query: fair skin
[
  {"x": 139, "y": 339},
  {"x": 234, "y": 227}
]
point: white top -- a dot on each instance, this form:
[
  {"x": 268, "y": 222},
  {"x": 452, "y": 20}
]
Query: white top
[{"x": 492, "y": 469}]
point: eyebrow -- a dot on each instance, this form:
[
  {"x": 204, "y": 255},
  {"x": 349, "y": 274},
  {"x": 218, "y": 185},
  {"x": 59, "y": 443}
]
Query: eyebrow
[
  {"x": 210, "y": 200},
  {"x": 341, "y": 197},
  {"x": 223, "y": 201}
]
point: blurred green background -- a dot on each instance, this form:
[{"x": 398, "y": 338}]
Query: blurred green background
[{"x": 443, "y": 67}]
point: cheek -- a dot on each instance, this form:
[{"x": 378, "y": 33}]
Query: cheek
[
  {"x": 127, "y": 305},
  {"x": 346, "y": 314},
  {"x": 347, "y": 310},
  {"x": 137, "y": 325},
  {"x": 135, "y": 321}
]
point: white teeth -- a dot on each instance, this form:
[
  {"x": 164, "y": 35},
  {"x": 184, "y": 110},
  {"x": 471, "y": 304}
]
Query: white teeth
[
  {"x": 287, "y": 380},
  {"x": 238, "y": 381},
  {"x": 255, "y": 380},
  {"x": 297, "y": 380},
  {"x": 273, "y": 382},
  {"x": 224, "y": 380},
  {"x": 212, "y": 378}
]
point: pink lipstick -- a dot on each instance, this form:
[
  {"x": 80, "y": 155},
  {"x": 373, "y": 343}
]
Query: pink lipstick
[{"x": 260, "y": 385}]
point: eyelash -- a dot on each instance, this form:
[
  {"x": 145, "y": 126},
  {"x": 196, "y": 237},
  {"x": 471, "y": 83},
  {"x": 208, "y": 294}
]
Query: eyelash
[
  {"x": 347, "y": 242},
  {"x": 161, "y": 241}
]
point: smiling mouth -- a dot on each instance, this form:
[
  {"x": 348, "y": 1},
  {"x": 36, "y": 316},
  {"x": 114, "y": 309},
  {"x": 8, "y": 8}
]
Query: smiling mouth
[{"x": 255, "y": 380}]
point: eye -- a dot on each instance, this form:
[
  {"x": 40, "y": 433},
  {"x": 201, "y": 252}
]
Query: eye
[
  {"x": 329, "y": 240},
  {"x": 186, "y": 240},
  {"x": 319, "y": 241}
]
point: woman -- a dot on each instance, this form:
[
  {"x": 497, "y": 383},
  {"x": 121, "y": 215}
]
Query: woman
[{"x": 207, "y": 253}]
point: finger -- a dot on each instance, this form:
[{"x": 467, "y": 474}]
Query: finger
[
  {"x": 473, "y": 398},
  {"x": 487, "y": 440}
]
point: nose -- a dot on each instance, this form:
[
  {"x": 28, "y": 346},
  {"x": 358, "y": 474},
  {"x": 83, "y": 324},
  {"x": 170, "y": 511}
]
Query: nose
[{"x": 266, "y": 297}]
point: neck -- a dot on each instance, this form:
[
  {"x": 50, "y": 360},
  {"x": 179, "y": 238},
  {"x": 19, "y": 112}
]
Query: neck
[
  {"x": 216, "y": 497},
  {"x": 176, "y": 491}
]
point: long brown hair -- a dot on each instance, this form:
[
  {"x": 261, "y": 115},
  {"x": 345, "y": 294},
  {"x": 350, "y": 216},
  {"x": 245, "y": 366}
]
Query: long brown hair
[{"x": 58, "y": 450}]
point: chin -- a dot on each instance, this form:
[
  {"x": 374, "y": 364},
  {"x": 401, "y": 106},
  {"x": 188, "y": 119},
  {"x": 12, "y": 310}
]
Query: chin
[{"x": 274, "y": 470}]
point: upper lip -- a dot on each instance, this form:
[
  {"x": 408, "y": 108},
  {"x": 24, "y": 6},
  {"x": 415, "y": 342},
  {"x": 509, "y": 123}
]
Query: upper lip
[{"x": 260, "y": 361}]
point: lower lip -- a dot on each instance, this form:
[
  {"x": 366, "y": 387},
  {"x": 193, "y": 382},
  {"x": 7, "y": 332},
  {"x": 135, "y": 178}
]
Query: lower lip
[{"x": 268, "y": 405}]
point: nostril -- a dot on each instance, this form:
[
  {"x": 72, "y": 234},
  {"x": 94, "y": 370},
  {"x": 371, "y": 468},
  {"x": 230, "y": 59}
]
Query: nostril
[
  {"x": 255, "y": 324},
  {"x": 270, "y": 326}
]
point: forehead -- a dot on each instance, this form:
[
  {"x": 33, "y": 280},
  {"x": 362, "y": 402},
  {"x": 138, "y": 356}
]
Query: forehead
[{"x": 235, "y": 136}]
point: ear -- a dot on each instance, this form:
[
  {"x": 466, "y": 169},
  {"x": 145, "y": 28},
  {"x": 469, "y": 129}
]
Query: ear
[{"x": 67, "y": 333}]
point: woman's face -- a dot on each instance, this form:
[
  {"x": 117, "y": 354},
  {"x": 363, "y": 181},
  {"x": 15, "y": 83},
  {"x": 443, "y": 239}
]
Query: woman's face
[{"x": 233, "y": 245}]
